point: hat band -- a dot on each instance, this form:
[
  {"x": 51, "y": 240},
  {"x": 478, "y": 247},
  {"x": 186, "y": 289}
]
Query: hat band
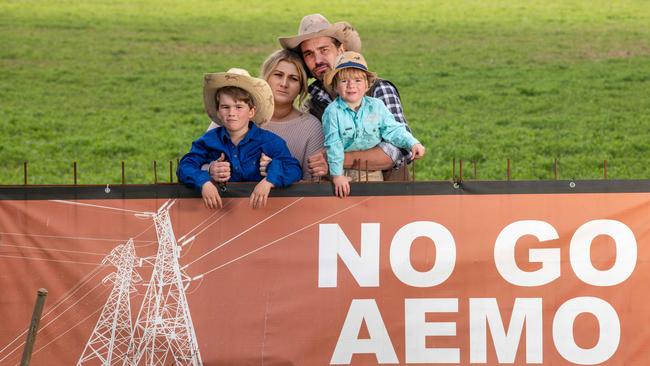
[{"x": 352, "y": 64}]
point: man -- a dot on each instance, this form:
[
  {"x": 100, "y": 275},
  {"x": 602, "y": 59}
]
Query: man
[{"x": 320, "y": 43}]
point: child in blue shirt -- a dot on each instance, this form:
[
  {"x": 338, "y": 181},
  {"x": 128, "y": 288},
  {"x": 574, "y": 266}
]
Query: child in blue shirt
[
  {"x": 354, "y": 121},
  {"x": 236, "y": 102}
]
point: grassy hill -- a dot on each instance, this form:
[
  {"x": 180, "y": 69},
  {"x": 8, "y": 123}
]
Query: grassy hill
[{"x": 100, "y": 82}]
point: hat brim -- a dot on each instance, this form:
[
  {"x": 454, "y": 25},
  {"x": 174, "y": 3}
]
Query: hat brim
[
  {"x": 259, "y": 90},
  {"x": 343, "y": 32},
  {"x": 329, "y": 76}
]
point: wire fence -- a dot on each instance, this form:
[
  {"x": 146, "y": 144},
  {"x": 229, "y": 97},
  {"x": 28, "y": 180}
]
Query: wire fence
[{"x": 165, "y": 172}]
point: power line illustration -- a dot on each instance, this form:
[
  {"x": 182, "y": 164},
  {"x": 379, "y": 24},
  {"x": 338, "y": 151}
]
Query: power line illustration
[
  {"x": 109, "y": 342},
  {"x": 164, "y": 325},
  {"x": 163, "y": 332}
]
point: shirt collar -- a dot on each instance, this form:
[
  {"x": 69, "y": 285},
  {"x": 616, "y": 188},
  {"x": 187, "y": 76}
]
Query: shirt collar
[
  {"x": 341, "y": 104},
  {"x": 252, "y": 134}
]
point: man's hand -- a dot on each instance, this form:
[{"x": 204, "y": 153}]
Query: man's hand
[
  {"x": 418, "y": 151},
  {"x": 341, "y": 186},
  {"x": 260, "y": 194},
  {"x": 210, "y": 194},
  {"x": 264, "y": 163},
  {"x": 317, "y": 164},
  {"x": 220, "y": 169}
]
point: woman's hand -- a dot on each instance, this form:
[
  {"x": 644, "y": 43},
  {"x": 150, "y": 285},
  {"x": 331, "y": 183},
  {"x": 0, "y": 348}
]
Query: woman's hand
[
  {"x": 418, "y": 151},
  {"x": 341, "y": 186},
  {"x": 264, "y": 163},
  {"x": 317, "y": 164},
  {"x": 260, "y": 194},
  {"x": 220, "y": 169},
  {"x": 210, "y": 195}
]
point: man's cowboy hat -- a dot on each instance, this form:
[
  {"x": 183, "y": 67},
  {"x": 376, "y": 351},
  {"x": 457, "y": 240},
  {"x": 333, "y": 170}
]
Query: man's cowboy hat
[
  {"x": 258, "y": 89},
  {"x": 315, "y": 25},
  {"x": 348, "y": 60}
]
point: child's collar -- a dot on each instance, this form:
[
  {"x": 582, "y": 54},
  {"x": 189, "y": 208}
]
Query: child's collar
[
  {"x": 250, "y": 133},
  {"x": 344, "y": 105}
]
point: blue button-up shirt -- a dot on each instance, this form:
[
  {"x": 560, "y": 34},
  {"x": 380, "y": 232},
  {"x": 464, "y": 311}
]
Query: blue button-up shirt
[
  {"x": 349, "y": 130},
  {"x": 244, "y": 158}
]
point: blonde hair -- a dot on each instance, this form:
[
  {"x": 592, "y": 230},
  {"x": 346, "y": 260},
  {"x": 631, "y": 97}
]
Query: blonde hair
[
  {"x": 352, "y": 72},
  {"x": 291, "y": 57}
]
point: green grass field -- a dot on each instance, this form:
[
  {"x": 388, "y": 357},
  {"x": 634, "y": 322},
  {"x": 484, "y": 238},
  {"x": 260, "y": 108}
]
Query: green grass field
[{"x": 100, "y": 82}]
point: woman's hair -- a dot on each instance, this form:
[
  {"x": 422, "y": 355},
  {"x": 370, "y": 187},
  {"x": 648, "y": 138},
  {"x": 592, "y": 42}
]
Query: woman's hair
[
  {"x": 292, "y": 57},
  {"x": 236, "y": 93},
  {"x": 351, "y": 72}
]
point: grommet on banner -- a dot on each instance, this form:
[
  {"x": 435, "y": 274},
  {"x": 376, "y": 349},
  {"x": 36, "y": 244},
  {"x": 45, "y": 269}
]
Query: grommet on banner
[
  {"x": 572, "y": 184},
  {"x": 107, "y": 190}
]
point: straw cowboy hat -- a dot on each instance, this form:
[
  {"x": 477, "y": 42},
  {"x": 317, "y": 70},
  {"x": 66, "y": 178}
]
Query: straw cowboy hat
[
  {"x": 259, "y": 89},
  {"x": 347, "y": 60},
  {"x": 316, "y": 25}
]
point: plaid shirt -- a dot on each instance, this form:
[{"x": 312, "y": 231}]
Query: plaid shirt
[{"x": 381, "y": 89}]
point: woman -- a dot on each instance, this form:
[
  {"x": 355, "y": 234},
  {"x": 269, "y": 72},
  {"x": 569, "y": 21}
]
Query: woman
[{"x": 303, "y": 132}]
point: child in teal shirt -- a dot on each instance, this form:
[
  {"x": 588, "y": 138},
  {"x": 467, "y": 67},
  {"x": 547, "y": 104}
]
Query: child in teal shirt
[{"x": 355, "y": 121}]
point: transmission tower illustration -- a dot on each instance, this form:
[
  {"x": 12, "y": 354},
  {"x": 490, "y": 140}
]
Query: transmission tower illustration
[
  {"x": 163, "y": 333},
  {"x": 109, "y": 342}
]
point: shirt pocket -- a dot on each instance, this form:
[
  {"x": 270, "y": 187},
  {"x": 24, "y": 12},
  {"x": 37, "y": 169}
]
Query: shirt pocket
[
  {"x": 347, "y": 133},
  {"x": 347, "y": 130},
  {"x": 371, "y": 130},
  {"x": 252, "y": 157},
  {"x": 371, "y": 127}
]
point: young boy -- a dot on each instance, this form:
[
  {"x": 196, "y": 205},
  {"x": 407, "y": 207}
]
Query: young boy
[
  {"x": 354, "y": 121},
  {"x": 236, "y": 102}
]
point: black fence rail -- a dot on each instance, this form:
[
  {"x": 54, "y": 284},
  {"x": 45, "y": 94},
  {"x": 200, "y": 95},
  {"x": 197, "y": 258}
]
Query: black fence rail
[{"x": 234, "y": 190}]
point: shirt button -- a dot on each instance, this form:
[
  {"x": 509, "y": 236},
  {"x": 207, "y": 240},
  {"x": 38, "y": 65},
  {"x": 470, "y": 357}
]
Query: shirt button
[{"x": 235, "y": 155}]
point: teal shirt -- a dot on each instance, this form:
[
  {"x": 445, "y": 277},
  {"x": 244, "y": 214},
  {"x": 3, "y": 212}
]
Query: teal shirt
[{"x": 349, "y": 130}]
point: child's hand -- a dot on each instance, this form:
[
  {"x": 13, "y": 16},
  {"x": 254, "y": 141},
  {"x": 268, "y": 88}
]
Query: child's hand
[
  {"x": 341, "y": 186},
  {"x": 260, "y": 194},
  {"x": 210, "y": 194},
  {"x": 418, "y": 151}
]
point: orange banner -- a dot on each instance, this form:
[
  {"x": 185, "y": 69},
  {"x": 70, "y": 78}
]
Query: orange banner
[{"x": 557, "y": 279}]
